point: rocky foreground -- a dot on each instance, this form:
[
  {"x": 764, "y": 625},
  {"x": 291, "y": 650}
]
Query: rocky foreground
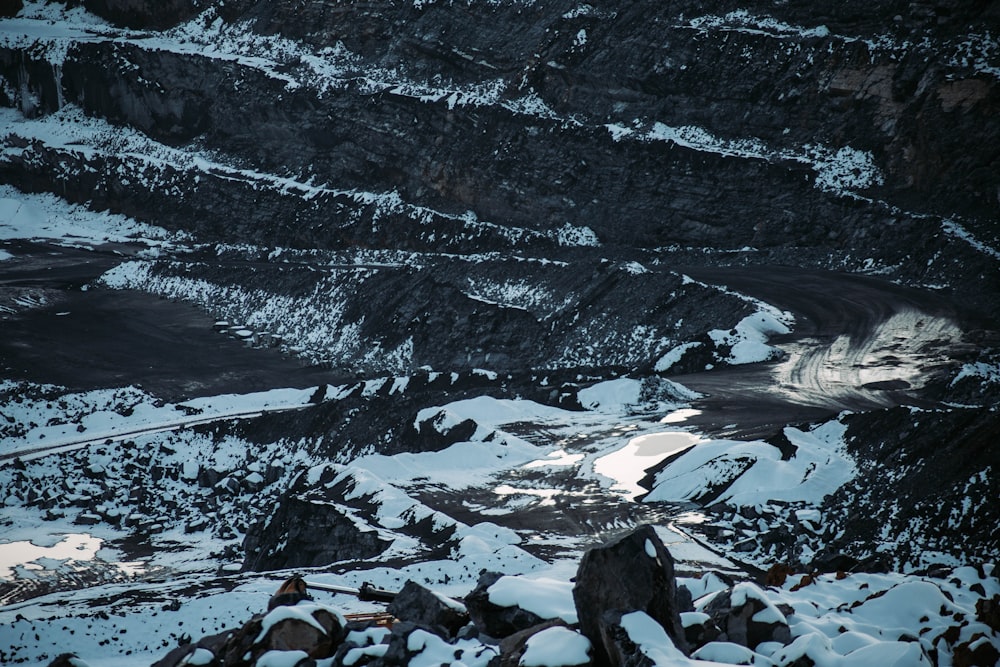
[{"x": 625, "y": 607}]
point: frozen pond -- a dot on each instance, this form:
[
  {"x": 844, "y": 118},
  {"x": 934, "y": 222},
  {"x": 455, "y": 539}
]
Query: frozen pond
[{"x": 628, "y": 465}]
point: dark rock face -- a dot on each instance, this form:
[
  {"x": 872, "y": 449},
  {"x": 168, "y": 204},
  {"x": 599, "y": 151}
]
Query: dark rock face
[
  {"x": 942, "y": 458},
  {"x": 420, "y": 605},
  {"x": 156, "y": 14},
  {"x": 310, "y": 534},
  {"x": 492, "y": 619},
  {"x": 809, "y": 84},
  {"x": 633, "y": 573}
]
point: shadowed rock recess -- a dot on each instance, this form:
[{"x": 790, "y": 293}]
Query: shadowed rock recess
[{"x": 484, "y": 223}]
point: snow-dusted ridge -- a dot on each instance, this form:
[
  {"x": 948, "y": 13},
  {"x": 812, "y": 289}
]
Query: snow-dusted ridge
[
  {"x": 838, "y": 170},
  {"x": 151, "y": 164}
]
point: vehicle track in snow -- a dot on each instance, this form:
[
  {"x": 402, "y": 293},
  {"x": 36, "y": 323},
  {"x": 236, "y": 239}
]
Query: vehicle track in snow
[{"x": 858, "y": 343}]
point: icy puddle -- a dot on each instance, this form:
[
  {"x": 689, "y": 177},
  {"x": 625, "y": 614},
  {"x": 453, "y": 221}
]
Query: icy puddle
[
  {"x": 18, "y": 559},
  {"x": 628, "y": 465}
]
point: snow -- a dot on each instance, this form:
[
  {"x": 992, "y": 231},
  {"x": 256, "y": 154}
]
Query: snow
[
  {"x": 45, "y": 216},
  {"x": 202, "y": 656},
  {"x": 728, "y": 653},
  {"x": 612, "y": 395},
  {"x": 665, "y": 362},
  {"x": 545, "y": 597},
  {"x": 742, "y": 20},
  {"x": 433, "y": 651},
  {"x": 753, "y": 472},
  {"x": 96, "y": 417},
  {"x": 303, "y": 612},
  {"x": 554, "y": 647},
  {"x": 29, "y": 554},
  {"x": 953, "y": 229},
  {"x": 986, "y": 373},
  {"x": 743, "y": 592},
  {"x": 748, "y": 339},
  {"x": 652, "y": 639},
  {"x": 628, "y": 465},
  {"x": 840, "y": 170}
]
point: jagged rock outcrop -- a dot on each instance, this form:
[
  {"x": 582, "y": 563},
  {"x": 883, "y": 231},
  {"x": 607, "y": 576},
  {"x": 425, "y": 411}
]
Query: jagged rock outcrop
[
  {"x": 939, "y": 487},
  {"x": 301, "y": 533}
]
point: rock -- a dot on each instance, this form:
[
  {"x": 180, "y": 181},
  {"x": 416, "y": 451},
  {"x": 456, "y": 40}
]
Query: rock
[
  {"x": 67, "y": 659},
  {"x": 988, "y": 612},
  {"x": 301, "y": 533},
  {"x": 206, "y": 651},
  {"x": 633, "y": 573},
  {"x": 699, "y": 628},
  {"x": 408, "y": 641},
  {"x": 143, "y": 13},
  {"x": 621, "y": 634},
  {"x": 977, "y": 652},
  {"x": 315, "y": 629},
  {"x": 291, "y": 592},
  {"x": 746, "y": 617},
  {"x": 438, "y": 432},
  {"x": 254, "y": 482},
  {"x": 420, "y": 605},
  {"x": 777, "y": 574},
  {"x": 492, "y": 619},
  {"x": 826, "y": 562},
  {"x": 11, "y": 7},
  {"x": 230, "y": 486},
  {"x": 209, "y": 477},
  {"x": 514, "y": 647}
]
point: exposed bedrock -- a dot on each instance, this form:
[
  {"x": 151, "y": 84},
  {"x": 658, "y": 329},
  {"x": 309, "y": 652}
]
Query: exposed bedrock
[{"x": 884, "y": 88}]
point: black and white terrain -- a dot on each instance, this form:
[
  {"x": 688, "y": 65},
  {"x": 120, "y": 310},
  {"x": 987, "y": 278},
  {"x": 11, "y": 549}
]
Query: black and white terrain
[{"x": 413, "y": 290}]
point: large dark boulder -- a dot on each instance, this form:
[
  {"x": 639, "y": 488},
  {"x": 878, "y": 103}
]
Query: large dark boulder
[{"x": 632, "y": 573}]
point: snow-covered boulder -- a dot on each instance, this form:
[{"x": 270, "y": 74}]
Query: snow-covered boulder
[
  {"x": 315, "y": 629},
  {"x": 745, "y": 616},
  {"x": 550, "y": 644},
  {"x": 493, "y": 619},
  {"x": 417, "y": 604}
]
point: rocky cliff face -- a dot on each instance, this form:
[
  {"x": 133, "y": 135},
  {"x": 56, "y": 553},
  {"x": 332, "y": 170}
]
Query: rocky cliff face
[{"x": 689, "y": 124}]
